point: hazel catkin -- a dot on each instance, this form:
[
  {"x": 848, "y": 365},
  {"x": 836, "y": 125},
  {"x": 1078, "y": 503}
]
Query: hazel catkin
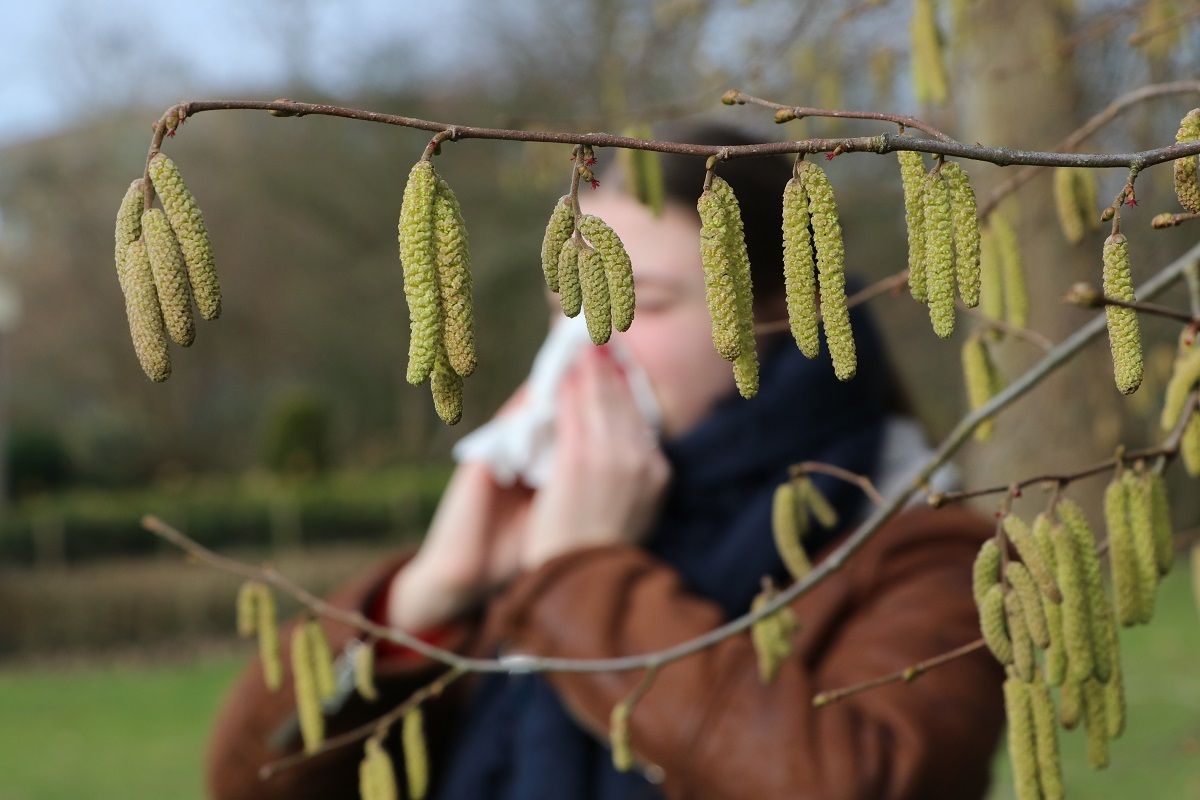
[
  {"x": 416, "y": 756},
  {"x": 446, "y": 387},
  {"x": 1141, "y": 525},
  {"x": 1022, "y": 748},
  {"x": 322, "y": 660},
  {"x": 982, "y": 380},
  {"x": 745, "y": 366},
  {"x": 1185, "y": 372},
  {"x": 129, "y": 220},
  {"x": 831, "y": 272},
  {"x": 376, "y": 775},
  {"x": 1122, "y": 559},
  {"x": 617, "y": 269},
  {"x": 187, "y": 222},
  {"x": 993, "y": 625},
  {"x": 364, "y": 672},
  {"x": 1124, "y": 333},
  {"x": 985, "y": 571},
  {"x": 1095, "y": 722},
  {"x": 965, "y": 215},
  {"x": 1012, "y": 270},
  {"x": 1187, "y": 189},
  {"x": 1031, "y": 602},
  {"x": 1164, "y": 544},
  {"x": 267, "y": 626},
  {"x": 1022, "y": 539},
  {"x": 799, "y": 269},
  {"x": 1075, "y": 528},
  {"x": 1045, "y": 735},
  {"x": 1076, "y": 616},
  {"x": 308, "y": 695},
  {"x": 939, "y": 253},
  {"x": 720, "y": 291},
  {"x": 789, "y": 524},
  {"x": 453, "y": 261},
  {"x": 594, "y": 286},
  {"x": 418, "y": 255},
  {"x": 558, "y": 231},
  {"x": 912, "y": 179},
  {"x": 570, "y": 290},
  {"x": 618, "y": 737},
  {"x": 247, "y": 614},
  {"x": 170, "y": 277},
  {"x": 143, "y": 312}
]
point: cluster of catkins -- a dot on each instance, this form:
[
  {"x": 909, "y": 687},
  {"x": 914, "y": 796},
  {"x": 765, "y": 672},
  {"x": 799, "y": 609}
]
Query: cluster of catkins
[
  {"x": 795, "y": 502},
  {"x": 585, "y": 263},
  {"x": 772, "y": 635},
  {"x": 164, "y": 263},
  {"x": 377, "y": 776},
  {"x": 943, "y": 237},
  {"x": 437, "y": 288},
  {"x": 1053, "y": 600}
]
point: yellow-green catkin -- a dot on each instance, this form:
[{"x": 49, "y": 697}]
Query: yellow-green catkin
[
  {"x": 1056, "y": 654},
  {"x": 1164, "y": 544},
  {"x": 1122, "y": 558},
  {"x": 416, "y": 757},
  {"x": 1022, "y": 747},
  {"x": 771, "y": 636},
  {"x": 1031, "y": 554},
  {"x": 364, "y": 672},
  {"x": 1031, "y": 602},
  {"x": 1046, "y": 738},
  {"x": 595, "y": 295},
  {"x": 745, "y": 373},
  {"x": 129, "y": 220},
  {"x": 1141, "y": 523},
  {"x": 991, "y": 277},
  {"x": 418, "y": 256},
  {"x": 789, "y": 524},
  {"x": 1124, "y": 333},
  {"x": 985, "y": 572},
  {"x": 965, "y": 214},
  {"x": 1095, "y": 720},
  {"x": 1070, "y": 705},
  {"x": 247, "y": 609},
  {"x": 1076, "y": 616},
  {"x": 376, "y": 775},
  {"x": 145, "y": 317},
  {"x": 929, "y": 69},
  {"x": 558, "y": 231},
  {"x": 322, "y": 660},
  {"x": 912, "y": 178},
  {"x": 644, "y": 169},
  {"x": 1114, "y": 689},
  {"x": 1066, "y": 203},
  {"x": 446, "y": 387},
  {"x": 745, "y": 366},
  {"x": 817, "y": 504},
  {"x": 1187, "y": 189},
  {"x": 992, "y": 624},
  {"x": 720, "y": 291},
  {"x": 267, "y": 626},
  {"x": 170, "y": 277},
  {"x": 982, "y": 380},
  {"x": 1184, "y": 374},
  {"x": 618, "y": 269},
  {"x": 831, "y": 272},
  {"x": 1189, "y": 445},
  {"x": 1076, "y": 528},
  {"x": 308, "y": 695},
  {"x": 570, "y": 290},
  {"x": 799, "y": 269},
  {"x": 1012, "y": 270},
  {"x": 454, "y": 280},
  {"x": 939, "y": 253},
  {"x": 618, "y": 737},
  {"x": 188, "y": 225}
]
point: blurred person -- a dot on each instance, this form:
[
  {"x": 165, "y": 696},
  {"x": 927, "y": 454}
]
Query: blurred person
[{"x": 638, "y": 542}]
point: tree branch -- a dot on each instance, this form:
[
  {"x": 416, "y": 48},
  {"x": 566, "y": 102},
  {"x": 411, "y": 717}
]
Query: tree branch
[{"x": 907, "y": 674}]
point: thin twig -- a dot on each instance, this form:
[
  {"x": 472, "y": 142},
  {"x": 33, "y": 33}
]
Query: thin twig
[
  {"x": 1027, "y": 334},
  {"x": 907, "y": 674},
  {"x": 1094, "y": 300},
  {"x": 861, "y": 481},
  {"x": 800, "y": 112}
]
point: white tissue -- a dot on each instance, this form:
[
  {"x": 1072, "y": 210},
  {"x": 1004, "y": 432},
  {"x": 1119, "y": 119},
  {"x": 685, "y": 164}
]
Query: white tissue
[{"x": 520, "y": 445}]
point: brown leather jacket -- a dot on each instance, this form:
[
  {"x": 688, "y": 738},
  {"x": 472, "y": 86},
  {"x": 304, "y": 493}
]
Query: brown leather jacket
[{"x": 707, "y": 727}]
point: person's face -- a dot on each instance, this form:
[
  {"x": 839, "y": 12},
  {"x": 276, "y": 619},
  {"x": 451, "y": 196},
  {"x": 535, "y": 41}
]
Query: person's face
[{"x": 671, "y": 335}]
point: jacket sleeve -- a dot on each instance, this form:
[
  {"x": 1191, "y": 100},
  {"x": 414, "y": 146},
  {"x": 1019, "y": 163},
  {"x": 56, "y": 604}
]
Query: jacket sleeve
[
  {"x": 715, "y": 731},
  {"x": 255, "y": 726}
]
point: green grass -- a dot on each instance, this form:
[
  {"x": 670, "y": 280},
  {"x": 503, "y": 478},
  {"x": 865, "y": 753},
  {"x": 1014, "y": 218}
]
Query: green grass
[
  {"x": 139, "y": 731},
  {"x": 128, "y": 732},
  {"x": 1158, "y": 755}
]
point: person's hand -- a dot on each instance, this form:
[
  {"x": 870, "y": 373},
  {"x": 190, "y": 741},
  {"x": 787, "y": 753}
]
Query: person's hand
[
  {"x": 472, "y": 547},
  {"x": 609, "y": 473}
]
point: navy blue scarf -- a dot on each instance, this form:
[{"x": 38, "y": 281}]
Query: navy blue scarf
[{"x": 515, "y": 740}]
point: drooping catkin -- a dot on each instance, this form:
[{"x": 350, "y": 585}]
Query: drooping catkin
[
  {"x": 1076, "y": 528},
  {"x": 376, "y": 775},
  {"x": 929, "y": 69},
  {"x": 446, "y": 387},
  {"x": 982, "y": 380},
  {"x": 144, "y": 315},
  {"x": 912, "y": 178},
  {"x": 1066, "y": 203},
  {"x": 1070, "y": 705},
  {"x": 789, "y": 524},
  {"x": 771, "y": 636},
  {"x": 308, "y": 695},
  {"x": 1114, "y": 688},
  {"x": 1056, "y": 654},
  {"x": 129, "y": 220},
  {"x": 418, "y": 257},
  {"x": 570, "y": 290},
  {"x": 1076, "y": 617},
  {"x": 1022, "y": 747},
  {"x": 817, "y": 504},
  {"x": 745, "y": 365},
  {"x": 831, "y": 272},
  {"x": 1141, "y": 525},
  {"x": 965, "y": 214},
  {"x": 1187, "y": 189},
  {"x": 618, "y": 269},
  {"x": 1095, "y": 721},
  {"x": 720, "y": 291},
  {"x": 1124, "y": 333},
  {"x": 416, "y": 756},
  {"x": 170, "y": 277},
  {"x": 1189, "y": 445},
  {"x": 322, "y": 660},
  {"x": 1012, "y": 270},
  {"x": 1164, "y": 544},
  {"x": 799, "y": 269},
  {"x": 991, "y": 277},
  {"x": 558, "y": 231},
  {"x": 1184, "y": 373},
  {"x": 247, "y": 609},
  {"x": 993, "y": 626},
  {"x": 1122, "y": 558},
  {"x": 939, "y": 253},
  {"x": 594, "y": 285},
  {"x": 1031, "y": 554},
  {"x": 1045, "y": 734},
  {"x": 745, "y": 373},
  {"x": 188, "y": 225},
  {"x": 618, "y": 737},
  {"x": 454, "y": 280},
  {"x": 364, "y": 672},
  {"x": 267, "y": 625},
  {"x": 985, "y": 572},
  {"x": 644, "y": 169},
  {"x": 1031, "y": 602}
]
